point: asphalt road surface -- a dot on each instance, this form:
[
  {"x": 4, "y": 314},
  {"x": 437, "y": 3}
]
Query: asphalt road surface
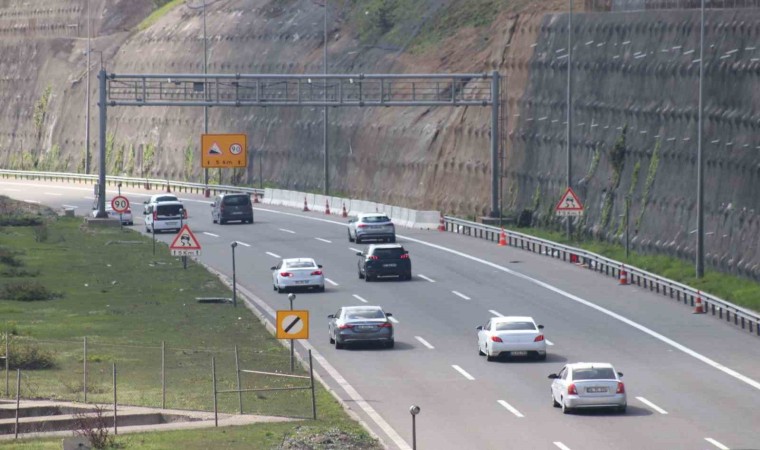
[{"x": 692, "y": 381}]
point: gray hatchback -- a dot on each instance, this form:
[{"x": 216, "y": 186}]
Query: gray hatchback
[{"x": 360, "y": 324}]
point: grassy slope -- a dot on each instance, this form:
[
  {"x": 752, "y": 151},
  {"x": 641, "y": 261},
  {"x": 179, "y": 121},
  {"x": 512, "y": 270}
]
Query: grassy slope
[{"x": 126, "y": 301}]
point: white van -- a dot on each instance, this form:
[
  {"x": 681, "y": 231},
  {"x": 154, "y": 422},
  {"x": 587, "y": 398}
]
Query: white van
[{"x": 165, "y": 216}]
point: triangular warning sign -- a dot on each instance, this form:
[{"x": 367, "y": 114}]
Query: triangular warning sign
[
  {"x": 185, "y": 240},
  {"x": 569, "y": 204},
  {"x": 214, "y": 149}
]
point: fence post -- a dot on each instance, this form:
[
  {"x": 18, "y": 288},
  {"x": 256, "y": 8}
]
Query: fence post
[
  {"x": 115, "y": 425},
  {"x": 213, "y": 381},
  {"x": 163, "y": 375},
  {"x": 313, "y": 398},
  {"x": 237, "y": 370},
  {"x": 7, "y": 363},
  {"x": 84, "y": 377},
  {"x": 18, "y": 398}
]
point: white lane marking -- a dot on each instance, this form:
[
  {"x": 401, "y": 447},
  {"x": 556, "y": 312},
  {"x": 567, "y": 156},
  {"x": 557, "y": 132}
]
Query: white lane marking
[
  {"x": 462, "y": 371},
  {"x": 274, "y": 255},
  {"x": 459, "y": 294},
  {"x": 53, "y": 193},
  {"x": 425, "y": 343},
  {"x": 210, "y": 234},
  {"x": 717, "y": 444},
  {"x": 12, "y": 190},
  {"x": 331, "y": 371},
  {"x": 651, "y": 405},
  {"x": 496, "y": 313},
  {"x": 243, "y": 244},
  {"x": 331, "y": 282},
  {"x": 287, "y": 231},
  {"x": 359, "y": 298},
  {"x": 30, "y": 201},
  {"x": 88, "y": 198},
  {"x": 561, "y": 445},
  {"x": 354, "y": 249},
  {"x": 70, "y": 206},
  {"x": 392, "y": 319},
  {"x": 510, "y": 408},
  {"x": 323, "y": 240},
  {"x": 425, "y": 278},
  {"x": 548, "y": 342},
  {"x": 638, "y": 326}
]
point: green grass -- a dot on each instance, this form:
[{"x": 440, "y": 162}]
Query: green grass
[
  {"x": 737, "y": 290},
  {"x": 158, "y": 14},
  {"x": 127, "y": 301}
]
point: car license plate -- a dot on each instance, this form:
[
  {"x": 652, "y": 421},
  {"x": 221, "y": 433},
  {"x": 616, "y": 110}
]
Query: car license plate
[
  {"x": 366, "y": 327},
  {"x": 302, "y": 282},
  {"x": 171, "y": 224},
  {"x": 519, "y": 353},
  {"x": 389, "y": 265},
  {"x": 593, "y": 390}
]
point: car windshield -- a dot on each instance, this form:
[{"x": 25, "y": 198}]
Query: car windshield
[
  {"x": 166, "y": 198},
  {"x": 299, "y": 265},
  {"x": 236, "y": 200},
  {"x": 604, "y": 373},
  {"x": 168, "y": 210},
  {"x": 375, "y": 219},
  {"x": 360, "y": 314},
  {"x": 511, "y": 326},
  {"x": 388, "y": 253}
]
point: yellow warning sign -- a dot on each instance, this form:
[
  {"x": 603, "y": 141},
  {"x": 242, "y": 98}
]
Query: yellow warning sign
[
  {"x": 293, "y": 324},
  {"x": 224, "y": 150}
]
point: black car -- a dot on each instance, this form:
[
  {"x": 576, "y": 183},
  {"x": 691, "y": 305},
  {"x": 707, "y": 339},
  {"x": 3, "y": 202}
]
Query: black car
[
  {"x": 229, "y": 207},
  {"x": 385, "y": 259}
]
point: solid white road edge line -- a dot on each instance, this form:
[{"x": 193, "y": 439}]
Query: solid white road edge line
[
  {"x": 496, "y": 313},
  {"x": 359, "y": 298},
  {"x": 462, "y": 371},
  {"x": 331, "y": 282},
  {"x": 274, "y": 255},
  {"x": 393, "y": 319},
  {"x": 243, "y": 244},
  {"x": 717, "y": 444},
  {"x": 323, "y": 240},
  {"x": 261, "y": 307},
  {"x": 30, "y": 201},
  {"x": 510, "y": 408},
  {"x": 287, "y": 231},
  {"x": 53, "y": 193},
  {"x": 651, "y": 405},
  {"x": 459, "y": 294},
  {"x": 425, "y": 343},
  {"x": 561, "y": 445},
  {"x": 210, "y": 234},
  {"x": 425, "y": 278},
  {"x": 70, "y": 206}
]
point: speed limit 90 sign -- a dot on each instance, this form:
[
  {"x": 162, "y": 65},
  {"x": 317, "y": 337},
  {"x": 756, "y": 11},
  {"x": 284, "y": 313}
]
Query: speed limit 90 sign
[{"x": 120, "y": 204}]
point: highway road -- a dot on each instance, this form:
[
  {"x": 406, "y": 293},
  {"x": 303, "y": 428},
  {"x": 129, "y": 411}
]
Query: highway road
[{"x": 692, "y": 381}]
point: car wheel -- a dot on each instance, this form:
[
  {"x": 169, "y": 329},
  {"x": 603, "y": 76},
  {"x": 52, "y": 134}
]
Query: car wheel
[
  {"x": 280, "y": 290},
  {"x": 274, "y": 287},
  {"x": 488, "y": 355},
  {"x": 213, "y": 220},
  {"x": 393, "y": 239},
  {"x": 361, "y": 275},
  {"x": 367, "y": 278},
  {"x": 408, "y": 276},
  {"x": 321, "y": 288},
  {"x": 338, "y": 344},
  {"x": 621, "y": 409},
  {"x": 565, "y": 409},
  {"x": 222, "y": 221},
  {"x": 390, "y": 343},
  {"x": 480, "y": 352},
  {"x": 350, "y": 239},
  {"x": 541, "y": 356},
  {"x": 554, "y": 401},
  {"x": 358, "y": 240},
  {"x": 332, "y": 341}
]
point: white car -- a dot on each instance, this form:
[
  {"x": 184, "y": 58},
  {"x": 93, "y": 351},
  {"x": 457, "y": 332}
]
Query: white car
[
  {"x": 588, "y": 385},
  {"x": 158, "y": 198},
  {"x": 126, "y": 216},
  {"x": 298, "y": 273},
  {"x": 165, "y": 216},
  {"x": 513, "y": 335}
]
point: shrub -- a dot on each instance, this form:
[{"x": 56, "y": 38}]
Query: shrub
[
  {"x": 40, "y": 232},
  {"x": 28, "y": 356},
  {"x": 8, "y": 257},
  {"x": 95, "y": 428},
  {"x": 27, "y": 291}
]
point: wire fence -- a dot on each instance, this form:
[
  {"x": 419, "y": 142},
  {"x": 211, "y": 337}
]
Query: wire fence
[
  {"x": 643, "y": 5},
  {"x": 159, "y": 376}
]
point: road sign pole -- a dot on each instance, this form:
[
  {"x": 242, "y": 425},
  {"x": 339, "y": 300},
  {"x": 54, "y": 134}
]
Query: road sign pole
[{"x": 292, "y": 297}]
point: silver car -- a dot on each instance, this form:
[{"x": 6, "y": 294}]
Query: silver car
[
  {"x": 588, "y": 385},
  {"x": 360, "y": 324},
  {"x": 371, "y": 226}
]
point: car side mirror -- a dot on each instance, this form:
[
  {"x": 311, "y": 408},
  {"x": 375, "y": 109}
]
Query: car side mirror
[
  {"x": 273, "y": 268},
  {"x": 540, "y": 327},
  {"x": 359, "y": 254},
  {"x": 388, "y": 314},
  {"x": 146, "y": 202},
  {"x": 351, "y": 220},
  {"x": 211, "y": 205},
  {"x": 331, "y": 316},
  {"x": 620, "y": 374},
  {"x": 319, "y": 265},
  {"x": 553, "y": 376},
  {"x": 480, "y": 327}
]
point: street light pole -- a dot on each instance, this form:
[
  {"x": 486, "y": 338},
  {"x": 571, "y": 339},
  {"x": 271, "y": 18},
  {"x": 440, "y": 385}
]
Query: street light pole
[
  {"x": 700, "y": 163},
  {"x": 87, "y": 100},
  {"x": 414, "y": 410},
  {"x": 569, "y": 105},
  {"x": 205, "y": 94},
  {"x": 324, "y": 142}
]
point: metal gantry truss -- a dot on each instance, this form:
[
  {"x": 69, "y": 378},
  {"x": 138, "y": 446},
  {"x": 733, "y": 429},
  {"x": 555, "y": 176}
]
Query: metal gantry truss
[{"x": 282, "y": 90}]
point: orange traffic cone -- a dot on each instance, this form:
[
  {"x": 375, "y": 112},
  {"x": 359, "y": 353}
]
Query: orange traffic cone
[
  {"x": 502, "y": 238},
  {"x": 327, "y": 207},
  {"x": 623, "y": 276},
  {"x": 441, "y": 224},
  {"x": 698, "y": 308},
  {"x": 305, "y": 206},
  {"x": 573, "y": 258},
  {"x": 345, "y": 213}
]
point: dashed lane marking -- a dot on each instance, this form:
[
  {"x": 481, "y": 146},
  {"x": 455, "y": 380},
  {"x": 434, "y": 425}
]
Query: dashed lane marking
[
  {"x": 426, "y": 278},
  {"x": 463, "y": 372},
  {"x": 425, "y": 343},
  {"x": 459, "y": 294},
  {"x": 510, "y": 408},
  {"x": 273, "y": 255},
  {"x": 359, "y": 298}
]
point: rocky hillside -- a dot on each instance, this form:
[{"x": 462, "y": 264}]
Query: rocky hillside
[{"x": 634, "y": 116}]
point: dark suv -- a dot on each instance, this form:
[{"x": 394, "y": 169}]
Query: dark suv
[
  {"x": 227, "y": 207},
  {"x": 384, "y": 259}
]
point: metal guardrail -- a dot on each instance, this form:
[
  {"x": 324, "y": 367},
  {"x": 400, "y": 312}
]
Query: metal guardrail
[
  {"x": 146, "y": 183},
  {"x": 682, "y": 293},
  {"x": 748, "y": 320}
]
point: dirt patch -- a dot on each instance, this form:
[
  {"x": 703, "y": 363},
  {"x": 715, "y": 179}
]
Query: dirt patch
[{"x": 307, "y": 438}]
